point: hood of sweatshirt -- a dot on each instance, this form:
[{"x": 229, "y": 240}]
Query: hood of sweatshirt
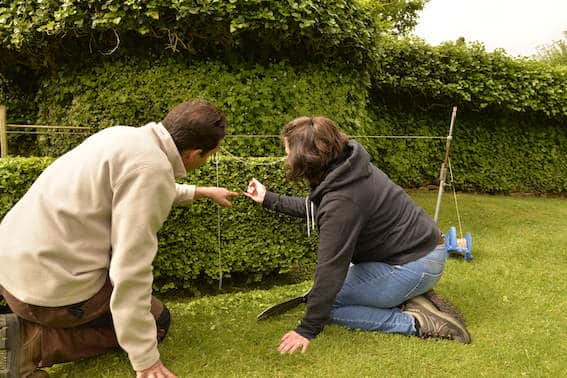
[{"x": 356, "y": 167}]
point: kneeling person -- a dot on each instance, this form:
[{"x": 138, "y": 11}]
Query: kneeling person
[
  {"x": 77, "y": 249},
  {"x": 378, "y": 251}
]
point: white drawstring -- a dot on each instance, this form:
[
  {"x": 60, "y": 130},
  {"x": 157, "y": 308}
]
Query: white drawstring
[
  {"x": 307, "y": 214},
  {"x": 310, "y": 217}
]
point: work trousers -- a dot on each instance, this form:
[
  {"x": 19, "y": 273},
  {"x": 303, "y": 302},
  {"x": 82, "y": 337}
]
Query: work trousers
[{"x": 69, "y": 333}]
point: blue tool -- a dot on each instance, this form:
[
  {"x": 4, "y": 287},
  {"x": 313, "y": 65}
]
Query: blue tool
[{"x": 457, "y": 246}]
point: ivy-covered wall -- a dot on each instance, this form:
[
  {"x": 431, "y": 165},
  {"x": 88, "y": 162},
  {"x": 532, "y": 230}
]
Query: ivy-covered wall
[{"x": 45, "y": 34}]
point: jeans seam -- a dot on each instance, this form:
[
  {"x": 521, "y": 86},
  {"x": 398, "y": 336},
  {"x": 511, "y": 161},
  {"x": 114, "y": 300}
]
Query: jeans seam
[{"x": 420, "y": 281}]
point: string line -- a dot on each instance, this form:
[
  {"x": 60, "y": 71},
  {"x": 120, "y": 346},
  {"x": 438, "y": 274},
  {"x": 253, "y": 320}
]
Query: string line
[
  {"x": 219, "y": 225},
  {"x": 455, "y": 198}
]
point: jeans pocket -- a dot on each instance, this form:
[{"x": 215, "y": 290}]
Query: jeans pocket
[{"x": 426, "y": 282}]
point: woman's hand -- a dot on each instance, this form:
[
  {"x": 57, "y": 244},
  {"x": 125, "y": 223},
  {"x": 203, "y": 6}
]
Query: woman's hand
[
  {"x": 256, "y": 191},
  {"x": 291, "y": 342}
]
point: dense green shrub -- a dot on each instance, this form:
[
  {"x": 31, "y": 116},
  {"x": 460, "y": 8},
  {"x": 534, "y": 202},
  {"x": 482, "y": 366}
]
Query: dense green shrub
[
  {"x": 418, "y": 75},
  {"x": 42, "y": 32},
  {"x": 254, "y": 242},
  {"x": 16, "y": 176},
  {"x": 490, "y": 152},
  {"x": 256, "y": 99},
  {"x": 21, "y": 108},
  {"x": 493, "y": 151}
]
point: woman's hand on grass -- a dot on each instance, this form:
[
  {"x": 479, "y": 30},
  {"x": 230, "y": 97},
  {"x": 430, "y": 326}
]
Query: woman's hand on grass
[
  {"x": 256, "y": 191},
  {"x": 293, "y": 341}
]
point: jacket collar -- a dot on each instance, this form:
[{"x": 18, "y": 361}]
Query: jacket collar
[{"x": 167, "y": 145}]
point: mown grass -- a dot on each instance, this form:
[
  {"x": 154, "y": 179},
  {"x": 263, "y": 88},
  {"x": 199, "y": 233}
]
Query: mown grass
[{"x": 513, "y": 295}]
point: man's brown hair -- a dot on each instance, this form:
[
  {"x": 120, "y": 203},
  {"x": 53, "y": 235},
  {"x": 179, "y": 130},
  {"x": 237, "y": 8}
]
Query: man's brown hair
[
  {"x": 312, "y": 142},
  {"x": 195, "y": 125}
]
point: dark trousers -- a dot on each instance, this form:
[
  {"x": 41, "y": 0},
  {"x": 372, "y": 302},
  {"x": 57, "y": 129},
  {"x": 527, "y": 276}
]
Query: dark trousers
[{"x": 80, "y": 330}]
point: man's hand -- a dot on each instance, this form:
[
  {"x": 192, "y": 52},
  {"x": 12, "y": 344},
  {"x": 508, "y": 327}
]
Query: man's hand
[
  {"x": 291, "y": 342},
  {"x": 219, "y": 195},
  {"x": 157, "y": 370},
  {"x": 256, "y": 191}
]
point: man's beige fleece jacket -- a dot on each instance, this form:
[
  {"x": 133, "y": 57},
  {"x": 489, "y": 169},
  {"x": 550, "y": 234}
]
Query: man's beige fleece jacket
[{"x": 95, "y": 212}]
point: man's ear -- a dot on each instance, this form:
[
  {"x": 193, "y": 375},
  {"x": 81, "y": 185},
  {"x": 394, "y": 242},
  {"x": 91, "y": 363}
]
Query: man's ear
[
  {"x": 191, "y": 154},
  {"x": 188, "y": 157}
]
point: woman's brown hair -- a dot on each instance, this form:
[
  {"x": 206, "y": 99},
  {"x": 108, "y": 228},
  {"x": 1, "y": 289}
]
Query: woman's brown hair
[{"x": 312, "y": 143}]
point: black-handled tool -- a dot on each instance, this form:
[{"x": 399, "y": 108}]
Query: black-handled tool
[{"x": 283, "y": 307}]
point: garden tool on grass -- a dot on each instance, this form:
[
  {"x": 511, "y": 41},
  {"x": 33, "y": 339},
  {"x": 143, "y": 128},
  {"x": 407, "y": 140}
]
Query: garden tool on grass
[
  {"x": 459, "y": 246},
  {"x": 283, "y": 307}
]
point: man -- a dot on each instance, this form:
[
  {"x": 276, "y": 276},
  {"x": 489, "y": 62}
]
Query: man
[{"x": 77, "y": 249}]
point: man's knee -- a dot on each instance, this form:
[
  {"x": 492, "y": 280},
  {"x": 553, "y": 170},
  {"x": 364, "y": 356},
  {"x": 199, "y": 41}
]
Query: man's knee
[{"x": 163, "y": 322}]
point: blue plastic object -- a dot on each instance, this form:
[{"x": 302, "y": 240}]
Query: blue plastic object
[{"x": 451, "y": 242}]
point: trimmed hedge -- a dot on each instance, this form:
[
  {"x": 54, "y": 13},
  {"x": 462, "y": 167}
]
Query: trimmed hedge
[
  {"x": 493, "y": 151},
  {"x": 490, "y": 152},
  {"x": 456, "y": 73},
  {"x": 256, "y": 99},
  {"x": 255, "y": 242}
]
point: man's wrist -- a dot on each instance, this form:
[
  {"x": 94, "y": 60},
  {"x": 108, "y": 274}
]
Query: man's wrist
[{"x": 203, "y": 191}]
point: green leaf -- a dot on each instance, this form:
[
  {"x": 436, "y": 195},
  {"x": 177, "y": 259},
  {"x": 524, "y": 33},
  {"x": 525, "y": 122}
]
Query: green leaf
[{"x": 153, "y": 14}]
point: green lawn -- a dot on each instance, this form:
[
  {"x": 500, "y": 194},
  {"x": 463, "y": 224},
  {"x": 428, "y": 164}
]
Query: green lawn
[{"x": 513, "y": 295}]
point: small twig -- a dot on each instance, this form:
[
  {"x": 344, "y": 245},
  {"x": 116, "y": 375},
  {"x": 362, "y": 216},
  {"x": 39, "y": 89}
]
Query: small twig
[{"x": 115, "y": 47}]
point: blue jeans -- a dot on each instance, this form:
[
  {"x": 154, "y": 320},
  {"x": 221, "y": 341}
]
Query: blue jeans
[{"x": 372, "y": 291}]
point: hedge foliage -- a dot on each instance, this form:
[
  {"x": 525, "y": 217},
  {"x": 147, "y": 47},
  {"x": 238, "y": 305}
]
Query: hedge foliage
[
  {"x": 259, "y": 29},
  {"x": 510, "y": 132},
  {"x": 464, "y": 74},
  {"x": 494, "y": 152},
  {"x": 256, "y": 99},
  {"x": 255, "y": 242},
  {"x": 490, "y": 153}
]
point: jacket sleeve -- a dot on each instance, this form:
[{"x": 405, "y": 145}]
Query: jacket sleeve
[
  {"x": 184, "y": 194},
  {"x": 340, "y": 222},
  {"x": 141, "y": 202},
  {"x": 292, "y": 206}
]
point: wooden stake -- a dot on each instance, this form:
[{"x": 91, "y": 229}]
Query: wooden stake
[{"x": 3, "y": 135}]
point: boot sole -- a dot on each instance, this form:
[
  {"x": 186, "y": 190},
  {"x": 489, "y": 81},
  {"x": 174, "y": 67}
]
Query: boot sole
[
  {"x": 421, "y": 301},
  {"x": 10, "y": 345}
]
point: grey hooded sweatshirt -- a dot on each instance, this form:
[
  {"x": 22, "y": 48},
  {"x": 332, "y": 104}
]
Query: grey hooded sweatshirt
[{"x": 362, "y": 216}]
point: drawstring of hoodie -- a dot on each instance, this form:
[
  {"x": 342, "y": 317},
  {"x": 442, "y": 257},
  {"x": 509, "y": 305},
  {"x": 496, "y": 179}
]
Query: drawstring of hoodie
[{"x": 310, "y": 212}]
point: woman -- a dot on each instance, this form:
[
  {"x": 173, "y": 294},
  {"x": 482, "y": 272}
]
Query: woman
[{"x": 377, "y": 249}]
